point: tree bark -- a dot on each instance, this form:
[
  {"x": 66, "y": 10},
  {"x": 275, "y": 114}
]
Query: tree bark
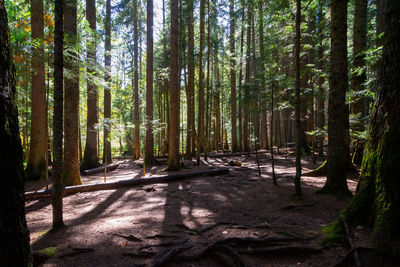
[
  {"x": 36, "y": 167},
  {"x": 71, "y": 100},
  {"x": 321, "y": 92},
  {"x": 359, "y": 46},
  {"x": 57, "y": 203},
  {"x": 14, "y": 249},
  {"x": 173, "y": 151},
  {"x": 200, "y": 119},
  {"x": 149, "y": 142},
  {"x": 90, "y": 159},
  {"x": 336, "y": 182},
  {"x": 191, "y": 103},
  {"x": 377, "y": 200},
  {"x": 233, "y": 74},
  {"x": 246, "y": 101},
  {"x": 297, "y": 182},
  {"x": 107, "y": 88},
  {"x": 136, "y": 150}
]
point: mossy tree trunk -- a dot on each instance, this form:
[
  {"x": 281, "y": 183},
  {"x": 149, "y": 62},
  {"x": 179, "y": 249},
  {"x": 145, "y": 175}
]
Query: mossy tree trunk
[
  {"x": 377, "y": 200},
  {"x": 14, "y": 244}
]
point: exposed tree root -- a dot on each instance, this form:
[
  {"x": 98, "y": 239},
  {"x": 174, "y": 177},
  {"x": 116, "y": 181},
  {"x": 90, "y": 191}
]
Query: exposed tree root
[
  {"x": 291, "y": 207},
  {"x": 142, "y": 254},
  {"x": 77, "y": 251},
  {"x": 281, "y": 249},
  {"x": 351, "y": 243},
  {"x": 171, "y": 253},
  {"x": 130, "y": 237}
]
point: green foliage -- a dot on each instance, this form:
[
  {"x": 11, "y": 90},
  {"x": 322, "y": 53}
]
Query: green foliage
[{"x": 334, "y": 233}]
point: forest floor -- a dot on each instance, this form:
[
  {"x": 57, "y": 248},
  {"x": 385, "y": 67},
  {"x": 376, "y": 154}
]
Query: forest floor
[{"x": 135, "y": 226}]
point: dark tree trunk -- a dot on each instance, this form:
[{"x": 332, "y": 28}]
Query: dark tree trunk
[
  {"x": 58, "y": 115},
  {"x": 359, "y": 46},
  {"x": 173, "y": 152},
  {"x": 14, "y": 249},
  {"x": 377, "y": 200},
  {"x": 149, "y": 142},
  {"x": 191, "y": 103},
  {"x": 36, "y": 167},
  {"x": 321, "y": 93},
  {"x": 336, "y": 182},
  {"x": 71, "y": 100},
  {"x": 90, "y": 159},
  {"x": 233, "y": 74},
  {"x": 297, "y": 102},
  {"x": 246, "y": 100},
  {"x": 200, "y": 119},
  {"x": 107, "y": 88},
  {"x": 136, "y": 150}
]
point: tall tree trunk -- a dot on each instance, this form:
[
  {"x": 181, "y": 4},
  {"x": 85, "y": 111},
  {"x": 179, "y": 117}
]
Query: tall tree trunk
[
  {"x": 149, "y": 142},
  {"x": 57, "y": 203},
  {"x": 71, "y": 100},
  {"x": 377, "y": 200},
  {"x": 359, "y": 46},
  {"x": 233, "y": 74},
  {"x": 14, "y": 249},
  {"x": 263, "y": 112},
  {"x": 321, "y": 93},
  {"x": 200, "y": 119},
  {"x": 37, "y": 154},
  {"x": 107, "y": 88},
  {"x": 173, "y": 152},
  {"x": 240, "y": 82},
  {"x": 191, "y": 103},
  {"x": 90, "y": 159},
  {"x": 136, "y": 150},
  {"x": 246, "y": 101},
  {"x": 336, "y": 182},
  {"x": 297, "y": 103}
]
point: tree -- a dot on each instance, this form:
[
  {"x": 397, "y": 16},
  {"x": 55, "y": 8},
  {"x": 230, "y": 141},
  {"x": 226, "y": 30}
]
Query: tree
[
  {"x": 58, "y": 114},
  {"x": 173, "y": 150},
  {"x": 107, "y": 88},
  {"x": 200, "y": 118},
  {"x": 359, "y": 46},
  {"x": 38, "y": 147},
  {"x": 71, "y": 97},
  {"x": 14, "y": 249},
  {"x": 297, "y": 101},
  {"x": 321, "y": 95},
  {"x": 149, "y": 142},
  {"x": 336, "y": 182},
  {"x": 136, "y": 150},
  {"x": 190, "y": 140},
  {"x": 377, "y": 199},
  {"x": 233, "y": 74},
  {"x": 90, "y": 159}
]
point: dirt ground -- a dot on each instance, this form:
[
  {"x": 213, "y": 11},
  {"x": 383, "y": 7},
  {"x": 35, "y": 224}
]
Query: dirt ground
[{"x": 135, "y": 226}]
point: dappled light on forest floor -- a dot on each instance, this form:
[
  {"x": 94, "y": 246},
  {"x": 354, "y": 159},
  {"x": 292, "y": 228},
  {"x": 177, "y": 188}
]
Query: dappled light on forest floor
[{"x": 136, "y": 225}]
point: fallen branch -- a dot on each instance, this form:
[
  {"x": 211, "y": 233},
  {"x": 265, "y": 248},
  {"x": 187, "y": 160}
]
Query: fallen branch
[
  {"x": 110, "y": 167},
  {"x": 126, "y": 183}
]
